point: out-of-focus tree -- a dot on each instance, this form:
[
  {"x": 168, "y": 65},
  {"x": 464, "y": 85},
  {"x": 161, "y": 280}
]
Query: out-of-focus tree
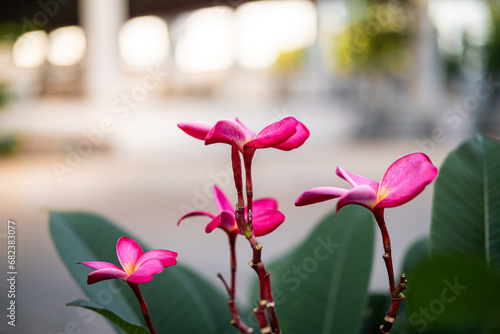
[
  {"x": 489, "y": 120},
  {"x": 9, "y": 143},
  {"x": 378, "y": 38}
]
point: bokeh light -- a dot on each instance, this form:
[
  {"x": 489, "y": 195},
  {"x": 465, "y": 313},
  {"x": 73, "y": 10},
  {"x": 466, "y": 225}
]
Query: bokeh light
[
  {"x": 67, "y": 46},
  {"x": 267, "y": 28},
  {"x": 207, "y": 42},
  {"x": 144, "y": 41},
  {"x": 456, "y": 20},
  {"x": 30, "y": 49}
]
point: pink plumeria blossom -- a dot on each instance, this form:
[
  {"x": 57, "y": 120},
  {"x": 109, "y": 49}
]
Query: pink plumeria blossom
[
  {"x": 266, "y": 217},
  {"x": 285, "y": 135},
  {"x": 137, "y": 266},
  {"x": 402, "y": 181}
]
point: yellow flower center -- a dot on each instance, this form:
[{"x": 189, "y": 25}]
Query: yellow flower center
[
  {"x": 129, "y": 268},
  {"x": 381, "y": 194}
]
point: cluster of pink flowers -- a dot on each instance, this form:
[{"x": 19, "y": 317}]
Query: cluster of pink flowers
[{"x": 403, "y": 180}]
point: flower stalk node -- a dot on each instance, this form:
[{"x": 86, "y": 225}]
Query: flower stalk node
[{"x": 389, "y": 319}]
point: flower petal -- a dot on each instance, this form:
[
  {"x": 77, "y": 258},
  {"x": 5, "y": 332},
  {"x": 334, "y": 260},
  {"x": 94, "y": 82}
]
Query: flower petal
[
  {"x": 225, "y": 131},
  {"x": 106, "y": 273},
  {"x": 274, "y": 134},
  {"x": 214, "y": 223},
  {"x": 196, "y": 213},
  {"x": 249, "y": 133},
  {"x": 198, "y": 130},
  {"x": 363, "y": 195},
  {"x": 356, "y": 180},
  {"x": 264, "y": 204},
  {"x": 145, "y": 272},
  {"x": 267, "y": 221},
  {"x": 405, "y": 179},
  {"x": 221, "y": 200},
  {"x": 319, "y": 194},
  {"x": 100, "y": 265},
  {"x": 166, "y": 257},
  {"x": 296, "y": 140},
  {"x": 226, "y": 221},
  {"x": 128, "y": 251}
]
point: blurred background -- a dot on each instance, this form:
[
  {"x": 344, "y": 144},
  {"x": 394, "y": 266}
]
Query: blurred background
[{"x": 91, "y": 92}]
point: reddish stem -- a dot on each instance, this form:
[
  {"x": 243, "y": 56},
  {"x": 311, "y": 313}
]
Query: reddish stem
[
  {"x": 238, "y": 182},
  {"x": 144, "y": 306},
  {"x": 266, "y": 303},
  {"x": 248, "y": 154},
  {"x": 231, "y": 290},
  {"x": 396, "y": 290}
]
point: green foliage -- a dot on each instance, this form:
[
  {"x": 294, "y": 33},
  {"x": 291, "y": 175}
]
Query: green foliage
[
  {"x": 454, "y": 294},
  {"x": 456, "y": 289},
  {"x": 127, "y": 327},
  {"x": 321, "y": 286},
  {"x": 289, "y": 61},
  {"x": 379, "y": 40},
  {"x": 179, "y": 300},
  {"x": 10, "y": 31},
  {"x": 466, "y": 208},
  {"x": 5, "y": 94},
  {"x": 9, "y": 144},
  {"x": 492, "y": 48}
]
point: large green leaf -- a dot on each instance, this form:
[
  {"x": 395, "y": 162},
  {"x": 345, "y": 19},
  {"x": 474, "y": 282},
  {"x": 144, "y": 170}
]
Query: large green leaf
[
  {"x": 453, "y": 294},
  {"x": 179, "y": 300},
  {"x": 415, "y": 255},
  {"x": 321, "y": 286},
  {"x": 127, "y": 327},
  {"x": 466, "y": 208}
]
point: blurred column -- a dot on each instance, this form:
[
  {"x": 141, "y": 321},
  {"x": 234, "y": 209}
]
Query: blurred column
[
  {"x": 428, "y": 86},
  {"x": 102, "y": 20}
]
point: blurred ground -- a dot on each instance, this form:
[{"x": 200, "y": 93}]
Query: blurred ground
[{"x": 147, "y": 170}]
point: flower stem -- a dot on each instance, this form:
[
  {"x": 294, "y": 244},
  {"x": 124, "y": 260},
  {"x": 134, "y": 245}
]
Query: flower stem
[
  {"x": 238, "y": 182},
  {"x": 247, "y": 160},
  {"x": 231, "y": 290},
  {"x": 396, "y": 290},
  {"x": 144, "y": 306},
  {"x": 266, "y": 303}
]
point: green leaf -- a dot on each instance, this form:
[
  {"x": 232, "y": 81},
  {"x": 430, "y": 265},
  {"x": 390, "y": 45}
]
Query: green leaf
[
  {"x": 454, "y": 294},
  {"x": 416, "y": 254},
  {"x": 321, "y": 286},
  {"x": 375, "y": 311},
  {"x": 466, "y": 207},
  {"x": 127, "y": 327},
  {"x": 179, "y": 300}
]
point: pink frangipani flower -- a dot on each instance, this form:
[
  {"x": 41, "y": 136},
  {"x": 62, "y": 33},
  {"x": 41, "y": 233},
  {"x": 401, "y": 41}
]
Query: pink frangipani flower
[
  {"x": 285, "y": 135},
  {"x": 266, "y": 217},
  {"x": 138, "y": 267},
  {"x": 402, "y": 181}
]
